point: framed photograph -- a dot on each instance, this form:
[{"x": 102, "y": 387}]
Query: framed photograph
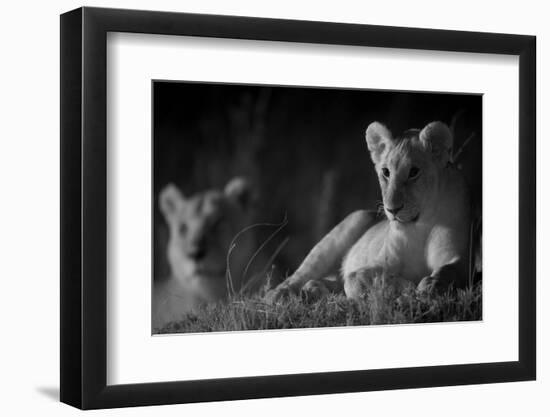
[{"x": 258, "y": 208}]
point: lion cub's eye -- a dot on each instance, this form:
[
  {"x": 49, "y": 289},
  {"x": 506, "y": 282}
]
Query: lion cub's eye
[
  {"x": 183, "y": 228},
  {"x": 413, "y": 173},
  {"x": 386, "y": 172}
]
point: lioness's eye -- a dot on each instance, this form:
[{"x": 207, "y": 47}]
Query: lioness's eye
[
  {"x": 413, "y": 173},
  {"x": 386, "y": 172},
  {"x": 183, "y": 228}
]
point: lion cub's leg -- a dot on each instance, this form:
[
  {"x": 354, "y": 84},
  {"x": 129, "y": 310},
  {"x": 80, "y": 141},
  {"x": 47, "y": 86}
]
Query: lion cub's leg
[{"x": 326, "y": 257}]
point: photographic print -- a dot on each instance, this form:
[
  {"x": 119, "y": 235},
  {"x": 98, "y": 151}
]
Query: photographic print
[
  {"x": 337, "y": 210},
  {"x": 279, "y": 207}
]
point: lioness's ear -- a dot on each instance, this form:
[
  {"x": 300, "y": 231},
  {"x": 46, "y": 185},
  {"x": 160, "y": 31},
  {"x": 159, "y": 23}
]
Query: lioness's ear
[
  {"x": 239, "y": 190},
  {"x": 437, "y": 138},
  {"x": 378, "y": 138},
  {"x": 170, "y": 200}
]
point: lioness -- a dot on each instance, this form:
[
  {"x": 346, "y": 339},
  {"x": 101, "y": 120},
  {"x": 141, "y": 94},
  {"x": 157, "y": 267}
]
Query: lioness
[
  {"x": 425, "y": 233},
  {"x": 201, "y": 229}
]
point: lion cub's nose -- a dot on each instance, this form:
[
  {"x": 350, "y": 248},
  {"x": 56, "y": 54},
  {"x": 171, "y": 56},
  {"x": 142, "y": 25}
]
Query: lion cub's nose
[
  {"x": 198, "y": 252},
  {"x": 396, "y": 210}
]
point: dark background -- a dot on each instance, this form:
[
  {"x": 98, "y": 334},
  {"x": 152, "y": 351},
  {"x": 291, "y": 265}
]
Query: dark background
[{"x": 303, "y": 149}]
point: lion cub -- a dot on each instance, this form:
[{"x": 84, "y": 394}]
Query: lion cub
[
  {"x": 201, "y": 229},
  {"x": 425, "y": 233}
]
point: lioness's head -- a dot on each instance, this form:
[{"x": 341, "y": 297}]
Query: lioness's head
[
  {"x": 409, "y": 167},
  {"x": 202, "y": 227}
]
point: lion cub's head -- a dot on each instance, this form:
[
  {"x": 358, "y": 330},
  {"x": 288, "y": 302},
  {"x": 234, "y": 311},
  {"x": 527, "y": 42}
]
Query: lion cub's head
[
  {"x": 202, "y": 227},
  {"x": 409, "y": 167}
]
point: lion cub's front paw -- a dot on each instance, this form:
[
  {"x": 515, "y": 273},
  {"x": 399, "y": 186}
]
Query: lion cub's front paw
[
  {"x": 357, "y": 284},
  {"x": 281, "y": 292},
  {"x": 428, "y": 285},
  {"x": 313, "y": 291}
]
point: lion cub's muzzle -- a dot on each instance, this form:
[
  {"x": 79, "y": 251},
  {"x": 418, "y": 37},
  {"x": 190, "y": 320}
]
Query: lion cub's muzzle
[
  {"x": 397, "y": 214},
  {"x": 197, "y": 253}
]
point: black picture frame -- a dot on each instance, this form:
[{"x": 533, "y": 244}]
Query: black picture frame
[{"x": 83, "y": 207}]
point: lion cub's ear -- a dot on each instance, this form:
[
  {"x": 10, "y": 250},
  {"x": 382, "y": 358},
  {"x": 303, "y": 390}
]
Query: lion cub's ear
[
  {"x": 170, "y": 201},
  {"x": 438, "y": 138},
  {"x": 378, "y": 138},
  {"x": 240, "y": 191}
]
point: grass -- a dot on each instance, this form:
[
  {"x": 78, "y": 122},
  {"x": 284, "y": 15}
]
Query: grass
[{"x": 382, "y": 304}]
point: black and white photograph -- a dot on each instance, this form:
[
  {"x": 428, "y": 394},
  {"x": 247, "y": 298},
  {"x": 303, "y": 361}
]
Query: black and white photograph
[
  {"x": 283, "y": 207},
  {"x": 275, "y": 208}
]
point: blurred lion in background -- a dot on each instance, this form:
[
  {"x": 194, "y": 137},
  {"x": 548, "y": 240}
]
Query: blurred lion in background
[{"x": 206, "y": 261}]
